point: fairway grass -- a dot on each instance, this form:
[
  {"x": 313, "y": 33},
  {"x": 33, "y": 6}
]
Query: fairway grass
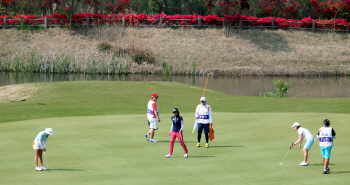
[
  {"x": 99, "y": 130},
  {"x": 112, "y": 150}
]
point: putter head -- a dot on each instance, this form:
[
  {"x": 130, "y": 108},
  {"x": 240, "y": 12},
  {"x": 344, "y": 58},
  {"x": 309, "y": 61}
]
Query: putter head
[{"x": 281, "y": 163}]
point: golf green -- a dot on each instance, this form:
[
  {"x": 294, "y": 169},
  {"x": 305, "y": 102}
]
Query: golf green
[{"x": 101, "y": 140}]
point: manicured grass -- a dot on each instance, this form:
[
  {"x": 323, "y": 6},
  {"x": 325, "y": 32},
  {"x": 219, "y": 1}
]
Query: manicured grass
[
  {"x": 112, "y": 150},
  {"x": 62, "y": 99},
  {"x": 99, "y": 132}
]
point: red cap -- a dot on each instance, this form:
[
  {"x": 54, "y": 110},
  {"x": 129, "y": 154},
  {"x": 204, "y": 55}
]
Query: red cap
[{"x": 154, "y": 95}]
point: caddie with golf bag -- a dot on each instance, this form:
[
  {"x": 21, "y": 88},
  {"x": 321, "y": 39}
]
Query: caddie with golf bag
[
  {"x": 39, "y": 146},
  {"x": 203, "y": 120}
]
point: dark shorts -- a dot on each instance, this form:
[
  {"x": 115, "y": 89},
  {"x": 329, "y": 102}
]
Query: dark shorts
[{"x": 203, "y": 126}]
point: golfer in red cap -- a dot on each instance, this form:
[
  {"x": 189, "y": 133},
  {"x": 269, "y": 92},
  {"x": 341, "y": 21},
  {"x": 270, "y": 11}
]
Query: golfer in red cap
[{"x": 153, "y": 117}]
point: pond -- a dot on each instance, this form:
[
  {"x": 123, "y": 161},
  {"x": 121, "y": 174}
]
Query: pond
[{"x": 302, "y": 87}]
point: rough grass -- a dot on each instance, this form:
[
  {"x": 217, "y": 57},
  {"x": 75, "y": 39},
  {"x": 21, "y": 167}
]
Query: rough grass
[{"x": 245, "y": 52}]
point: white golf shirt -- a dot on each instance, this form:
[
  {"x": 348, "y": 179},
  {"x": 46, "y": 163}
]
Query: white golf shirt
[
  {"x": 307, "y": 136},
  {"x": 203, "y": 112}
]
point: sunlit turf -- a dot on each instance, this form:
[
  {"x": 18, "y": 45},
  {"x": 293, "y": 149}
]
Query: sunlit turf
[{"x": 99, "y": 132}]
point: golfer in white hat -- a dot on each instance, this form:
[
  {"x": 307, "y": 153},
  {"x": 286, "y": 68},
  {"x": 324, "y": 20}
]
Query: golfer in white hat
[
  {"x": 39, "y": 148},
  {"x": 304, "y": 134},
  {"x": 204, "y": 119}
]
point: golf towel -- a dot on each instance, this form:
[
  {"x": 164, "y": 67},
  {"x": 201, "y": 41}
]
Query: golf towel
[{"x": 211, "y": 133}]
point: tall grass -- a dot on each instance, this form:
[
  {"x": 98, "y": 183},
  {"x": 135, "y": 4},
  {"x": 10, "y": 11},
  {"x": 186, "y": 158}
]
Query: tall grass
[{"x": 111, "y": 49}]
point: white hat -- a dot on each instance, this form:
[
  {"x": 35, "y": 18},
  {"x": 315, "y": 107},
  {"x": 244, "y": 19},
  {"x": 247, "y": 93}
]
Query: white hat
[
  {"x": 296, "y": 124},
  {"x": 49, "y": 131},
  {"x": 203, "y": 99}
]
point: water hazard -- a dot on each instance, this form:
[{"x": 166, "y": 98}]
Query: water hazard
[{"x": 302, "y": 87}]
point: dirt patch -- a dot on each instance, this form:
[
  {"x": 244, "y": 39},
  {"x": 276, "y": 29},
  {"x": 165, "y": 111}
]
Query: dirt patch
[{"x": 17, "y": 92}]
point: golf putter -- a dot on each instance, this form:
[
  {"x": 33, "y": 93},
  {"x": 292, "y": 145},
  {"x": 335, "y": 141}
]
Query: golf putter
[
  {"x": 286, "y": 154},
  {"x": 46, "y": 163}
]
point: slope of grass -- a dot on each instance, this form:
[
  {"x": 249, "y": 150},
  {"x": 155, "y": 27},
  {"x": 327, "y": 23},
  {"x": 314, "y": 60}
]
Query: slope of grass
[{"x": 62, "y": 99}]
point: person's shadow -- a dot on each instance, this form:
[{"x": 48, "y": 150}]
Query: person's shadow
[{"x": 67, "y": 170}]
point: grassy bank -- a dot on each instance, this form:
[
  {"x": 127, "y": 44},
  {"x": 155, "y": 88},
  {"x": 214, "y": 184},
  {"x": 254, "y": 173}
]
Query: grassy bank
[
  {"x": 179, "y": 51},
  {"x": 61, "y": 99},
  {"x": 99, "y": 132}
]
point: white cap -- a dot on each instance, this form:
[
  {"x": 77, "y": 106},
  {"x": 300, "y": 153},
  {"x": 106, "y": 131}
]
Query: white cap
[
  {"x": 49, "y": 131},
  {"x": 203, "y": 99},
  {"x": 296, "y": 124}
]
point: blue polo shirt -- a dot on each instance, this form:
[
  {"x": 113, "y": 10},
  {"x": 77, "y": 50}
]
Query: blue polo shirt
[{"x": 176, "y": 123}]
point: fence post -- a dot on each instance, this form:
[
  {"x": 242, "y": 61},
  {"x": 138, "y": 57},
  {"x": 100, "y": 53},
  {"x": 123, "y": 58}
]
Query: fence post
[
  {"x": 5, "y": 23},
  {"x": 347, "y": 28},
  {"x": 313, "y": 26},
  {"x": 272, "y": 24},
  {"x": 123, "y": 22},
  {"x": 199, "y": 22},
  {"x": 161, "y": 22},
  {"x": 46, "y": 23},
  {"x": 240, "y": 24},
  {"x": 87, "y": 22}
]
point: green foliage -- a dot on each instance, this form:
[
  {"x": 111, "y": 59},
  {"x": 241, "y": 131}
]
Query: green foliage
[
  {"x": 104, "y": 46},
  {"x": 166, "y": 68},
  {"x": 269, "y": 94},
  {"x": 193, "y": 71},
  {"x": 281, "y": 87}
]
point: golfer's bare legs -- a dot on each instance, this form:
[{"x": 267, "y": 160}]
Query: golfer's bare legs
[
  {"x": 305, "y": 151},
  {"x": 325, "y": 162},
  {"x": 38, "y": 154},
  {"x": 151, "y": 133}
]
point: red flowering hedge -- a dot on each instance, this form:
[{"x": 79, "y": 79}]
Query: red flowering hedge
[{"x": 175, "y": 20}]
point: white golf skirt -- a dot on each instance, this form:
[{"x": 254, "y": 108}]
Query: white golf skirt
[{"x": 36, "y": 145}]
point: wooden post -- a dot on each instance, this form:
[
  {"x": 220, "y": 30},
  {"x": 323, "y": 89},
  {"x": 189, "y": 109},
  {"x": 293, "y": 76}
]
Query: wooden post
[
  {"x": 161, "y": 22},
  {"x": 123, "y": 22},
  {"x": 87, "y": 22},
  {"x": 199, "y": 22},
  {"x": 313, "y": 26},
  {"x": 5, "y": 23},
  {"x": 46, "y": 22},
  {"x": 272, "y": 24},
  {"x": 240, "y": 24},
  {"x": 347, "y": 28}
]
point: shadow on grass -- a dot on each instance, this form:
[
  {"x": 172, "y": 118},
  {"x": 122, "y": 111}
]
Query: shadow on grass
[
  {"x": 321, "y": 164},
  {"x": 342, "y": 172},
  {"x": 201, "y": 156},
  {"x": 67, "y": 170},
  {"x": 224, "y": 146},
  {"x": 266, "y": 40}
]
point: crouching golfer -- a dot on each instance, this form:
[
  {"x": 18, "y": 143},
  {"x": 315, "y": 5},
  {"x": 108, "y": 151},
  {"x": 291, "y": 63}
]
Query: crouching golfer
[
  {"x": 176, "y": 131},
  {"x": 309, "y": 139},
  {"x": 39, "y": 148},
  {"x": 325, "y": 135}
]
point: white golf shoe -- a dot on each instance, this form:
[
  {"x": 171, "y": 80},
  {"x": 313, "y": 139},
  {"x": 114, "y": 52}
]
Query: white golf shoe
[
  {"x": 186, "y": 155},
  {"x": 43, "y": 168},
  {"x": 38, "y": 169},
  {"x": 304, "y": 163},
  {"x": 153, "y": 141},
  {"x": 169, "y": 156},
  {"x": 147, "y": 137}
]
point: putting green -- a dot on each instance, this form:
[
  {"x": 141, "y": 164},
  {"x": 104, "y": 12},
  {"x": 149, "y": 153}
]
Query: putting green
[{"x": 112, "y": 149}]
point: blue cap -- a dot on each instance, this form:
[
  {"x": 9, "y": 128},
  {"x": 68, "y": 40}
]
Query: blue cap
[{"x": 175, "y": 110}]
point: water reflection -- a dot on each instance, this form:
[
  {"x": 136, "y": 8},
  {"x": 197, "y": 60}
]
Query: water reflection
[{"x": 303, "y": 87}]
